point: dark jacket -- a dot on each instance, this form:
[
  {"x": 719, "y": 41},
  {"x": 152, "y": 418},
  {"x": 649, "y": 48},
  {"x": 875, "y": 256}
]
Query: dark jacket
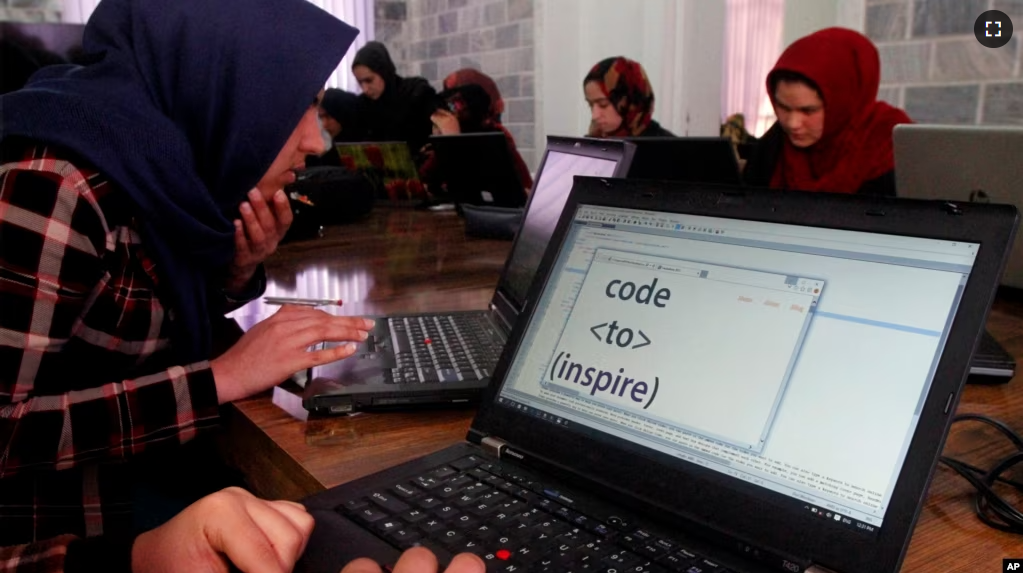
[
  {"x": 655, "y": 130},
  {"x": 763, "y": 159}
]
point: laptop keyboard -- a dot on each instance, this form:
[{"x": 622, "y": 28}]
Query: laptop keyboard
[
  {"x": 514, "y": 523},
  {"x": 438, "y": 348}
]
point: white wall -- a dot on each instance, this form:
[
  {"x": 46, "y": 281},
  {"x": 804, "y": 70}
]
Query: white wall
[
  {"x": 679, "y": 43},
  {"x": 803, "y": 17}
]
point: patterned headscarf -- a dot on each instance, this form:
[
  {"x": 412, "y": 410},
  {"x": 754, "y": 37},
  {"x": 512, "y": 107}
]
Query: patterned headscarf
[
  {"x": 471, "y": 105},
  {"x": 626, "y": 86},
  {"x": 469, "y": 76}
]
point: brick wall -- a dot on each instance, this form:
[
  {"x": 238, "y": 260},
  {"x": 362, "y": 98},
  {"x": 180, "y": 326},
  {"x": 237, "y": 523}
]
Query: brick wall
[
  {"x": 933, "y": 66},
  {"x": 30, "y": 10},
  {"x": 432, "y": 38}
]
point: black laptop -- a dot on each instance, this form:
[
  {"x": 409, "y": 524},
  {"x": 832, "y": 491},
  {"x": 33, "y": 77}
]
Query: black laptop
[
  {"x": 704, "y": 382},
  {"x": 478, "y": 169},
  {"x": 447, "y": 358},
  {"x": 688, "y": 159}
]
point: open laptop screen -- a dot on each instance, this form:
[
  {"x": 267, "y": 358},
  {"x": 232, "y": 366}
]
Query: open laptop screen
[
  {"x": 794, "y": 358},
  {"x": 549, "y": 196}
]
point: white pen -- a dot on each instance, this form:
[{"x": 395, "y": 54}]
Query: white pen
[{"x": 301, "y": 301}]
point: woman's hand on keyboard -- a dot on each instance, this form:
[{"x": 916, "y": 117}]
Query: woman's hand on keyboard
[
  {"x": 278, "y": 347},
  {"x": 420, "y": 560}
]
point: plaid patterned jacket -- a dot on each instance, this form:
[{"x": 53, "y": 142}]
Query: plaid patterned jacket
[{"x": 86, "y": 376}]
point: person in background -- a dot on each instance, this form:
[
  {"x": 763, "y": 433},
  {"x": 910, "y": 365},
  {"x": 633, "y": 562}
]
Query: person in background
[
  {"x": 470, "y": 76},
  {"x": 229, "y": 528},
  {"x": 832, "y": 134},
  {"x": 339, "y": 113},
  {"x": 467, "y": 109},
  {"x": 393, "y": 108},
  {"x": 621, "y": 100},
  {"x": 139, "y": 196}
]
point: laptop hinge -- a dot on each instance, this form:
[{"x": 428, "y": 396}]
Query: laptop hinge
[
  {"x": 818, "y": 569},
  {"x": 493, "y": 446}
]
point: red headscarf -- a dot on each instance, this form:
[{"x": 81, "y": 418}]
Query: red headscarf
[
  {"x": 626, "y": 86},
  {"x": 856, "y": 145},
  {"x": 469, "y": 76}
]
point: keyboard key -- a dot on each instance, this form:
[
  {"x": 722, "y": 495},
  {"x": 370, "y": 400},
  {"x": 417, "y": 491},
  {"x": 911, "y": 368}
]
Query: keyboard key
[
  {"x": 369, "y": 514},
  {"x": 676, "y": 562},
  {"x": 553, "y": 527},
  {"x": 576, "y": 538},
  {"x": 388, "y": 502},
  {"x": 446, "y": 511},
  {"x": 352, "y": 505},
  {"x": 404, "y": 538},
  {"x": 451, "y": 537},
  {"x": 623, "y": 560},
  {"x": 467, "y": 462},
  {"x": 429, "y": 502},
  {"x": 709, "y": 565},
  {"x": 449, "y": 491},
  {"x": 406, "y": 491},
  {"x": 386, "y": 526},
  {"x": 427, "y": 482},
  {"x": 465, "y": 522},
  {"x": 476, "y": 489},
  {"x": 473, "y": 546},
  {"x": 413, "y": 515},
  {"x": 432, "y": 525},
  {"x": 461, "y": 481},
  {"x": 442, "y": 472}
]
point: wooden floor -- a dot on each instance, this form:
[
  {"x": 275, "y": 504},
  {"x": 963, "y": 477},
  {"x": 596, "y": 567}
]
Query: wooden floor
[{"x": 405, "y": 260}]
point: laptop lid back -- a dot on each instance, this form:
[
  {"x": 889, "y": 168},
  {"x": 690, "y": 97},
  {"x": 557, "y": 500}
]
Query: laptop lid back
[
  {"x": 387, "y": 165},
  {"x": 689, "y": 159},
  {"x": 478, "y": 169},
  {"x": 774, "y": 369},
  {"x": 963, "y": 163},
  {"x": 564, "y": 158}
]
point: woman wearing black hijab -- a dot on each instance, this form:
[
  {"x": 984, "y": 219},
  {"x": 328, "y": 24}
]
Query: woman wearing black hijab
[
  {"x": 139, "y": 195},
  {"x": 339, "y": 114},
  {"x": 393, "y": 108}
]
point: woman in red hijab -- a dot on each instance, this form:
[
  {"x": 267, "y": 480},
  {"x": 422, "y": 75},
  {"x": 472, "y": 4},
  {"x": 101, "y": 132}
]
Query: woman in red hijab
[
  {"x": 470, "y": 76},
  {"x": 621, "y": 100},
  {"x": 832, "y": 134}
]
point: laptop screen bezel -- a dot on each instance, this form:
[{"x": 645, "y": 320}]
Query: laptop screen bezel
[
  {"x": 729, "y": 507},
  {"x": 505, "y": 303}
]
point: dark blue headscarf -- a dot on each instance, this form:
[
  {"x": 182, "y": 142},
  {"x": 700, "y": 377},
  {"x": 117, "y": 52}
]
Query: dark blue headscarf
[{"x": 185, "y": 108}]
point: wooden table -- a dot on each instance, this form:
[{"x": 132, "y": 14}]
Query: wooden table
[{"x": 405, "y": 260}]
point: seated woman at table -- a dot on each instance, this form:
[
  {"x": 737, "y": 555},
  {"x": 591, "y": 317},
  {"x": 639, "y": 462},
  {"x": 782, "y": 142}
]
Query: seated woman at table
[
  {"x": 470, "y": 76},
  {"x": 467, "y": 109},
  {"x": 832, "y": 134},
  {"x": 143, "y": 192},
  {"x": 621, "y": 100},
  {"x": 393, "y": 108}
]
